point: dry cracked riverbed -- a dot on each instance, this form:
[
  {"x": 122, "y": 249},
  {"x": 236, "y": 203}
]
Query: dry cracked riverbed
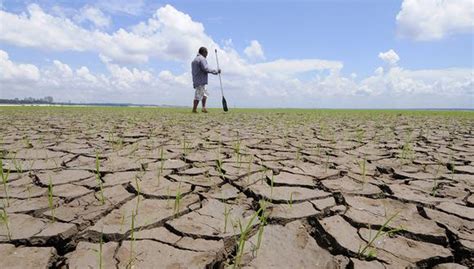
[{"x": 163, "y": 188}]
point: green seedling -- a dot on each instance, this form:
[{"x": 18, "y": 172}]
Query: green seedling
[
  {"x": 18, "y": 165},
  {"x": 100, "y": 251},
  {"x": 97, "y": 177},
  {"x": 290, "y": 202},
  {"x": 5, "y": 220},
  {"x": 360, "y": 135},
  {"x": 138, "y": 194},
  {"x": 368, "y": 251},
  {"x": 219, "y": 166},
  {"x": 363, "y": 169},
  {"x": 50, "y": 198},
  {"x": 132, "y": 241},
  {"x": 407, "y": 152},
  {"x": 435, "y": 188},
  {"x": 177, "y": 200},
  {"x": 262, "y": 223},
  {"x": 162, "y": 160},
  {"x": 244, "y": 233},
  {"x": 5, "y": 181},
  {"x": 118, "y": 143},
  {"x": 237, "y": 150},
  {"x": 226, "y": 217},
  {"x": 27, "y": 142}
]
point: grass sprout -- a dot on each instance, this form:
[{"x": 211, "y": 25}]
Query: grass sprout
[
  {"x": 245, "y": 231},
  {"x": 177, "y": 200},
  {"x": 97, "y": 177},
  {"x": 138, "y": 194},
  {"x": 5, "y": 220},
  {"x": 99, "y": 251},
  {"x": 363, "y": 169},
  {"x": 132, "y": 241},
  {"x": 5, "y": 181},
  {"x": 262, "y": 223},
  {"x": 368, "y": 251},
  {"x": 50, "y": 198},
  {"x": 290, "y": 202},
  {"x": 226, "y": 217}
]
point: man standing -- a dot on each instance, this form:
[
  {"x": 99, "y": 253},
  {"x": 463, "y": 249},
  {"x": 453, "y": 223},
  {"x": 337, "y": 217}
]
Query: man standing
[{"x": 200, "y": 69}]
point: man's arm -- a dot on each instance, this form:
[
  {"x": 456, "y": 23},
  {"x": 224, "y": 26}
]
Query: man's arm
[{"x": 205, "y": 67}]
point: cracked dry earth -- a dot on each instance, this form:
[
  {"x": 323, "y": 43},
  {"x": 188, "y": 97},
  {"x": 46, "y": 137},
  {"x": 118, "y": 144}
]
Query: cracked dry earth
[{"x": 161, "y": 188}]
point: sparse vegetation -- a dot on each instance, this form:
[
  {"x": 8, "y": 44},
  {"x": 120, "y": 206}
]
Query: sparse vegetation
[
  {"x": 5, "y": 181},
  {"x": 244, "y": 233},
  {"x": 51, "y": 199},
  {"x": 151, "y": 150},
  {"x": 368, "y": 251},
  {"x": 98, "y": 179},
  {"x": 177, "y": 200},
  {"x": 5, "y": 220}
]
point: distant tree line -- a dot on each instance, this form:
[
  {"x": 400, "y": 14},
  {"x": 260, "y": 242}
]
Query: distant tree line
[{"x": 28, "y": 100}]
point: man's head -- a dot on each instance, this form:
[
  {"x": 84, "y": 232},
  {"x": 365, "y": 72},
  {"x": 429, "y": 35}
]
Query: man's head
[{"x": 203, "y": 51}]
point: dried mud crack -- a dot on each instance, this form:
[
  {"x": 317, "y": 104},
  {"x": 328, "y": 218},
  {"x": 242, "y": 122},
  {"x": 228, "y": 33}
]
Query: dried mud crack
[{"x": 161, "y": 188}]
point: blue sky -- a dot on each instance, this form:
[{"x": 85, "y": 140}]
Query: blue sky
[{"x": 331, "y": 51}]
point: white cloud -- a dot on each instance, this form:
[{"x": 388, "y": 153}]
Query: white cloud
[
  {"x": 168, "y": 35},
  {"x": 291, "y": 67},
  {"x": 390, "y": 57},
  {"x": 94, "y": 15},
  {"x": 84, "y": 73},
  {"x": 441, "y": 82},
  {"x": 396, "y": 87},
  {"x": 378, "y": 71},
  {"x": 435, "y": 19},
  {"x": 254, "y": 51},
  {"x": 13, "y": 72},
  {"x": 63, "y": 69},
  {"x": 172, "y": 35}
]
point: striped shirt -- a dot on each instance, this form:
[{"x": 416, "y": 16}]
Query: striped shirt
[{"x": 200, "y": 69}]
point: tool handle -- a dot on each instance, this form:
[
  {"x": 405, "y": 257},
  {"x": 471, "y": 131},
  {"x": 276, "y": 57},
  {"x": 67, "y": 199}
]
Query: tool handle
[{"x": 220, "y": 79}]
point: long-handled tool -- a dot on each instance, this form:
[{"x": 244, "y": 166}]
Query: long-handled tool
[{"x": 224, "y": 102}]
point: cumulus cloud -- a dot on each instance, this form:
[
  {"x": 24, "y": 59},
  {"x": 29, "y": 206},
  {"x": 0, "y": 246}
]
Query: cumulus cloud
[
  {"x": 15, "y": 72},
  {"x": 254, "y": 51},
  {"x": 168, "y": 35},
  {"x": 390, "y": 57},
  {"x": 291, "y": 67},
  {"x": 171, "y": 35},
  {"x": 93, "y": 15},
  {"x": 395, "y": 87},
  {"x": 402, "y": 82},
  {"x": 435, "y": 19}
]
